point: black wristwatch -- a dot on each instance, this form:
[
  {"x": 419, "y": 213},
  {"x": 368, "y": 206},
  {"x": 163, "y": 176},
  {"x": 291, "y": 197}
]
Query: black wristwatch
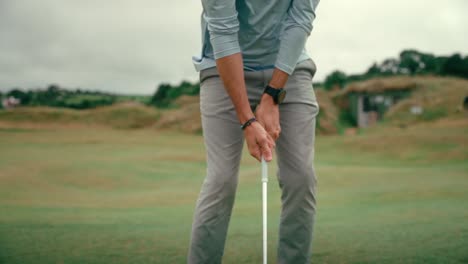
[{"x": 277, "y": 94}]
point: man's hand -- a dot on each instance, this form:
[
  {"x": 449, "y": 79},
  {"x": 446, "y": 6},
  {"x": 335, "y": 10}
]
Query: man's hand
[
  {"x": 258, "y": 141},
  {"x": 267, "y": 113}
]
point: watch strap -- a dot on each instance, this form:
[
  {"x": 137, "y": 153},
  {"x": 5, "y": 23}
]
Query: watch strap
[{"x": 273, "y": 92}]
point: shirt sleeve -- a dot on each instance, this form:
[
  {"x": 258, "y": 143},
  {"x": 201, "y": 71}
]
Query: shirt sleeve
[
  {"x": 298, "y": 26},
  {"x": 223, "y": 26}
]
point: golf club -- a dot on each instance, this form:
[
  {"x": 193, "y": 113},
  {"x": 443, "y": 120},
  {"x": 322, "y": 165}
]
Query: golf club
[{"x": 264, "y": 207}]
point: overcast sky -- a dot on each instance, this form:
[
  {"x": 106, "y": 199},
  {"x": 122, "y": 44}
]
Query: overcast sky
[{"x": 131, "y": 46}]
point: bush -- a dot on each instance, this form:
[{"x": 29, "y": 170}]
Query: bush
[
  {"x": 336, "y": 78},
  {"x": 166, "y": 94}
]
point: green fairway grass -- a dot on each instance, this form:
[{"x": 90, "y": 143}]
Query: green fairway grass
[{"x": 98, "y": 195}]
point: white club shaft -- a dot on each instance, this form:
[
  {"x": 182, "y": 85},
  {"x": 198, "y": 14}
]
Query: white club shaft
[{"x": 264, "y": 208}]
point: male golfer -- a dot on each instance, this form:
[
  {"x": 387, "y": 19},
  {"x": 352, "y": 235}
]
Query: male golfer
[{"x": 256, "y": 84}]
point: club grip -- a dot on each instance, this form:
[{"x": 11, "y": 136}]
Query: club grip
[{"x": 264, "y": 171}]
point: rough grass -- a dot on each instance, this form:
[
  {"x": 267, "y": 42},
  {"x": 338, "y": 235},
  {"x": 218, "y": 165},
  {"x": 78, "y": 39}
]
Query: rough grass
[
  {"x": 127, "y": 196},
  {"x": 382, "y": 84},
  {"x": 121, "y": 115},
  {"x": 438, "y": 97},
  {"x": 328, "y": 114},
  {"x": 185, "y": 117}
]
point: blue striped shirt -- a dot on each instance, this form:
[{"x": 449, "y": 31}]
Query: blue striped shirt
[{"x": 269, "y": 33}]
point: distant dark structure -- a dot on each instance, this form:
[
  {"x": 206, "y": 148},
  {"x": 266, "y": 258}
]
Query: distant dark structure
[{"x": 368, "y": 101}]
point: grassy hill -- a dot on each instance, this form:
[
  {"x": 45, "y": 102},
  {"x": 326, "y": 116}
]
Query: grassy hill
[
  {"x": 439, "y": 98},
  {"x": 185, "y": 117},
  {"x": 120, "y": 115}
]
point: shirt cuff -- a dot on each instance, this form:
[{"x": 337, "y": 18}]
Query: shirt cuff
[
  {"x": 224, "y": 44},
  {"x": 291, "y": 47}
]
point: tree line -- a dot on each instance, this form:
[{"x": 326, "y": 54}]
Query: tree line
[
  {"x": 409, "y": 62},
  {"x": 165, "y": 93},
  {"x": 56, "y": 96}
]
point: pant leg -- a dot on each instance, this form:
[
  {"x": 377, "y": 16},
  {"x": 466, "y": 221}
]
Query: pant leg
[
  {"x": 296, "y": 175},
  {"x": 223, "y": 142}
]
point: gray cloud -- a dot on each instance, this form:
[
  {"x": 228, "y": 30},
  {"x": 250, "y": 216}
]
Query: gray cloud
[{"x": 131, "y": 46}]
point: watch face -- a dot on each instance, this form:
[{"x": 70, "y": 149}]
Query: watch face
[{"x": 281, "y": 96}]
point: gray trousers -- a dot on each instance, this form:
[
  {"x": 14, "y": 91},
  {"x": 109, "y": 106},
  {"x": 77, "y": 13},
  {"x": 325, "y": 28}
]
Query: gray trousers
[{"x": 295, "y": 154}]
